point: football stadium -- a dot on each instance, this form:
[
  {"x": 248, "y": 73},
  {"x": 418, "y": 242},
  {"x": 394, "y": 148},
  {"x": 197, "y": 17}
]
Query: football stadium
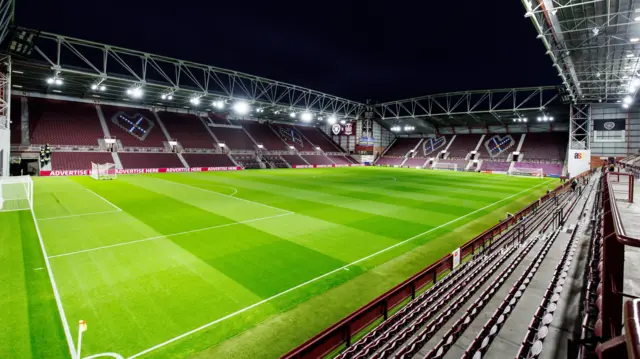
[{"x": 154, "y": 207}]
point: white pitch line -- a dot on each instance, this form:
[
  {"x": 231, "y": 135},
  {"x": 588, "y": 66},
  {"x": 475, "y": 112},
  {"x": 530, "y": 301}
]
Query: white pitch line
[
  {"x": 56, "y": 294},
  {"x": 222, "y": 194},
  {"x": 170, "y": 235},
  {"x": 323, "y": 275},
  {"x": 77, "y": 215},
  {"x": 13, "y": 210},
  {"x": 104, "y": 199}
]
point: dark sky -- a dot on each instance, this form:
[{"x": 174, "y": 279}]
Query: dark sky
[{"x": 384, "y": 50}]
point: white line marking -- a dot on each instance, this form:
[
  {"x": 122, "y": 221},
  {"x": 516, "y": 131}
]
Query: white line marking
[
  {"x": 56, "y": 294},
  {"x": 322, "y": 276},
  {"x": 221, "y": 194},
  {"x": 13, "y": 210},
  {"x": 38, "y": 268},
  {"x": 77, "y": 215},
  {"x": 171, "y": 235},
  {"x": 104, "y": 199}
]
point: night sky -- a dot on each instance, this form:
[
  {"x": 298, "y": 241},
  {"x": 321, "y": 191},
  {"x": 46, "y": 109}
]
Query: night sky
[{"x": 384, "y": 50}]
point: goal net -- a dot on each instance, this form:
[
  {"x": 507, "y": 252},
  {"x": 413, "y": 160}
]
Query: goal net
[
  {"x": 445, "y": 166},
  {"x": 16, "y": 193},
  {"x": 530, "y": 172},
  {"x": 102, "y": 171}
]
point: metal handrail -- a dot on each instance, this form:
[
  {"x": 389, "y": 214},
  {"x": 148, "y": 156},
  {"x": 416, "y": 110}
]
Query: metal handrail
[{"x": 618, "y": 225}]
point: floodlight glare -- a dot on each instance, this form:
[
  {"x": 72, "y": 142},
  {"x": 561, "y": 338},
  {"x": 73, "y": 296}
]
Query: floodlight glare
[
  {"x": 169, "y": 97},
  {"x": 306, "y": 116},
  {"x": 218, "y": 104},
  {"x": 94, "y": 87},
  {"x": 550, "y": 118},
  {"x": 103, "y": 87},
  {"x": 628, "y": 100},
  {"x": 624, "y": 105},
  {"x": 195, "y": 101},
  {"x": 164, "y": 97},
  {"x": 292, "y": 114},
  {"x": 241, "y": 108},
  {"x": 50, "y": 80},
  {"x": 343, "y": 122},
  {"x": 136, "y": 92},
  {"x": 331, "y": 119},
  {"x": 58, "y": 81},
  {"x": 539, "y": 119},
  {"x": 634, "y": 39}
]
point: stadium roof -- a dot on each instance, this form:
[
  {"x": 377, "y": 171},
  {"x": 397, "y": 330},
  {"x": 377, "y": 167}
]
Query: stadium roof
[{"x": 594, "y": 45}]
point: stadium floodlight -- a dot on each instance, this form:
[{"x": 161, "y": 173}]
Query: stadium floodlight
[
  {"x": 318, "y": 148},
  {"x": 628, "y": 100},
  {"x": 219, "y": 104},
  {"x": 524, "y": 119},
  {"x": 624, "y": 105},
  {"x": 292, "y": 114},
  {"x": 306, "y": 116},
  {"x": 550, "y": 118},
  {"x": 94, "y": 87},
  {"x": 343, "y": 122},
  {"x": 539, "y": 118},
  {"x": 222, "y": 145},
  {"x": 332, "y": 119},
  {"x": 103, "y": 87},
  {"x": 241, "y": 108},
  {"x": 135, "y": 92},
  {"x": 634, "y": 39},
  {"x": 195, "y": 101},
  {"x": 260, "y": 146},
  {"x": 259, "y": 110},
  {"x": 54, "y": 80},
  {"x": 163, "y": 96}
]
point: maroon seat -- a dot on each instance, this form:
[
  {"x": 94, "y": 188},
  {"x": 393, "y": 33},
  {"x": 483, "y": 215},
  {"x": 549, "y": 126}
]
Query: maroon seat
[
  {"x": 264, "y": 135},
  {"x": 208, "y": 160},
  {"x": 233, "y": 138},
  {"x": 154, "y": 137},
  {"x": 218, "y": 119},
  {"x": 319, "y": 139},
  {"x": 317, "y": 159},
  {"x": 187, "y": 129},
  {"x": 462, "y": 145},
  {"x": 402, "y": 146},
  {"x": 69, "y": 161},
  {"x": 63, "y": 123},
  {"x": 340, "y": 160},
  {"x": 294, "y": 160},
  {"x": 415, "y": 162},
  {"x": 390, "y": 161},
  {"x": 548, "y": 146},
  {"x": 150, "y": 160}
]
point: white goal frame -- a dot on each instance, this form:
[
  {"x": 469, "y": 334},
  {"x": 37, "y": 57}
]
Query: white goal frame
[
  {"x": 527, "y": 172},
  {"x": 103, "y": 171},
  {"x": 16, "y": 193},
  {"x": 445, "y": 166}
]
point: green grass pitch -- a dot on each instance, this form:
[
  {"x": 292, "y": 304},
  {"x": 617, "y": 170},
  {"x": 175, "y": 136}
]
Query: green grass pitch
[{"x": 244, "y": 264}]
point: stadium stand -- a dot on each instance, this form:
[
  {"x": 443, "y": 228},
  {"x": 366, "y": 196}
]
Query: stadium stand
[
  {"x": 247, "y": 161},
  {"x": 292, "y": 137},
  {"x": 317, "y": 160},
  {"x": 546, "y": 146},
  {"x": 59, "y": 123},
  {"x": 68, "y": 161},
  {"x": 264, "y": 135},
  {"x": 207, "y": 160},
  {"x": 187, "y": 129},
  {"x": 340, "y": 160},
  {"x": 415, "y": 162},
  {"x": 149, "y": 160},
  {"x": 496, "y": 146},
  {"x": 492, "y": 165},
  {"x": 233, "y": 138},
  {"x": 432, "y": 146},
  {"x": 319, "y": 139},
  {"x": 294, "y": 160},
  {"x": 16, "y": 117},
  {"x": 141, "y": 131},
  {"x": 402, "y": 146},
  {"x": 462, "y": 145},
  {"x": 218, "y": 119},
  {"x": 275, "y": 161}
]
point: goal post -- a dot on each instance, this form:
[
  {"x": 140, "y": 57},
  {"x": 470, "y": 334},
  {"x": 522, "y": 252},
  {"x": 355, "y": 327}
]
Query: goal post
[
  {"x": 102, "y": 171},
  {"x": 16, "y": 193},
  {"x": 528, "y": 172},
  {"x": 445, "y": 166}
]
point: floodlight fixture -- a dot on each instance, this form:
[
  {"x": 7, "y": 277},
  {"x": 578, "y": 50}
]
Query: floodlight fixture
[
  {"x": 219, "y": 104},
  {"x": 343, "y": 122},
  {"x": 332, "y": 119},
  {"x": 628, "y": 100},
  {"x": 292, "y": 114},
  {"x": 625, "y": 105},
  {"x": 306, "y": 116},
  {"x": 241, "y": 108}
]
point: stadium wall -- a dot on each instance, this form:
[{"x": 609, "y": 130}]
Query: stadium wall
[{"x": 613, "y": 146}]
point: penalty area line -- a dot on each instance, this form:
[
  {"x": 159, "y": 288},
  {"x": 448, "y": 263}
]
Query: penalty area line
[
  {"x": 104, "y": 199},
  {"x": 345, "y": 267},
  {"x": 77, "y": 215}
]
